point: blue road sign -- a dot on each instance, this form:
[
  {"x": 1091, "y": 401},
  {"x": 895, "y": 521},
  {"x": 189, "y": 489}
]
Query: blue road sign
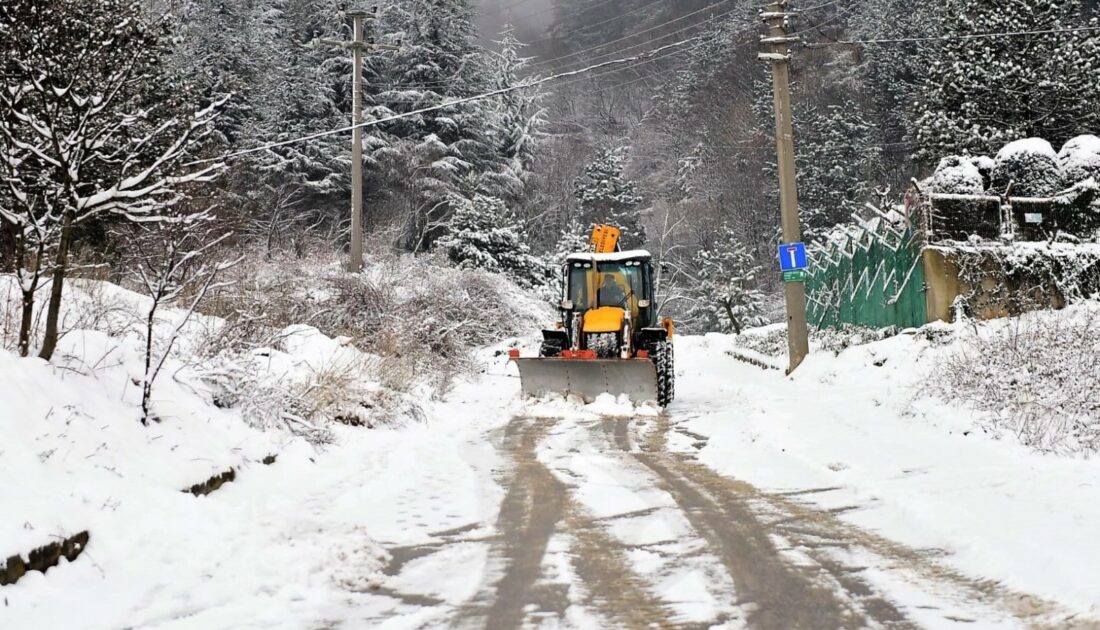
[{"x": 792, "y": 257}]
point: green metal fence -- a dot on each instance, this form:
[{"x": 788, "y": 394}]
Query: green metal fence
[{"x": 868, "y": 273}]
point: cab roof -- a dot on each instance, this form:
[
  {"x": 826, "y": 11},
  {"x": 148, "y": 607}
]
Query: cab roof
[{"x": 634, "y": 254}]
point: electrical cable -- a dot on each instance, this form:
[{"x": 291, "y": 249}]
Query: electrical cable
[
  {"x": 441, "y": 106},
  {"x": 642, "y": 32},
  {"x": 901, "y": 40}
]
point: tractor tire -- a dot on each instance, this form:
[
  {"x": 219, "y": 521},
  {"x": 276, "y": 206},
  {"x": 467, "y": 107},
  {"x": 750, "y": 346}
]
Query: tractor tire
[{"x": 662, "y": 356}]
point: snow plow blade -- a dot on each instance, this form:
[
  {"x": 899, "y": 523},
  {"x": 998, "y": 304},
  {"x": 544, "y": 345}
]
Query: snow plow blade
[{"x": 588, "y": 378}]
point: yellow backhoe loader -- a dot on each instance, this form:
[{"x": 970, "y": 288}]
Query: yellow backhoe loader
[{"x": 610, "y": 339}]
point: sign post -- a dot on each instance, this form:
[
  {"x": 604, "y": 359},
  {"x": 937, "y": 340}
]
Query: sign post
[{"x": 792, "y": 262}]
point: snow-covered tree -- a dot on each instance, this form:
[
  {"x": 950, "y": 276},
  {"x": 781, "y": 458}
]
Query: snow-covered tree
[
  {"x": 92, "y": 122},
  {"x": 961, "y": 175},
  {"x": 305, "y": 89},
  {"x": 484, "y": 234},
  {"x": 428, "y": 158},
  {"x": 573, "y": 239},
  {"x": 1080, "y": 160},
  {"x": 837, "y": 161},
  {"x": 169, "y": 260},
  {"x": 1030, "y": 166},
  {"x": 983, "y": 92},
  {"x": 605, "y": 195},
  {"x": 725, "y": 291},
  {"x": 517, "y": 120}
]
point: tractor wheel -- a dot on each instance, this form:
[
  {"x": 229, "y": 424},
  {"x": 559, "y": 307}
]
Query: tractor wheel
[{"x": 666, "y": 374}]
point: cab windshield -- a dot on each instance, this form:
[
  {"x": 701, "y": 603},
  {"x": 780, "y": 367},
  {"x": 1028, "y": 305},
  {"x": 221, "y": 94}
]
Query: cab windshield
[{"x": 617, "y": 284}]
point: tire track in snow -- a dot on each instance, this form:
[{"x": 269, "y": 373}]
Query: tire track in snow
[
  {"x": 759, "y": 523},
  {"x": 776, "y": 593},
  {"x": 536, "y": 506}
]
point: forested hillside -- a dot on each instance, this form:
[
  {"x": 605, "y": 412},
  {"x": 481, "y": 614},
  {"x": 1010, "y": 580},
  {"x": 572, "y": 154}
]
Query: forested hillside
[{"x": 676, "y": 146}]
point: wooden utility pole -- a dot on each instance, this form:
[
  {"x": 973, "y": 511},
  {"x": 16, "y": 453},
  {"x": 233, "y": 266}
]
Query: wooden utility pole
[
  {"x": 778, "y": 42},
  {"x": 357, "y": 46}
]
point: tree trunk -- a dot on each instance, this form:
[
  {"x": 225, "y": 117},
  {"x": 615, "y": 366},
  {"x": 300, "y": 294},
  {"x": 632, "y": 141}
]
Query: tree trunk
[
  {"x": 28, "y": 320},
  {"x": 53, "y": 312},
  {"x": 733, "y": 319},
  {"x": 147, "y": 382},
  {"x": 8, "y": 245}
]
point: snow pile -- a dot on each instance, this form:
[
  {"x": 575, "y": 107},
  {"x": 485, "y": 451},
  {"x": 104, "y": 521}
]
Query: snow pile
[
  {"x": 604, "y": 406},
  {"x": 869, "y": 434},
  {"x": 1080, "y": 159},
  {"x": 1031, "y": 166},
  {"x": 1036, "y": 378},
  {"x": 76, "y": 458},
  {"x": 958, "y": 175}
]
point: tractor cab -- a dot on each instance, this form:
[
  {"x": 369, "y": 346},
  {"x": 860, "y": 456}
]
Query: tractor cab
[{"x": 605, "y": 294}]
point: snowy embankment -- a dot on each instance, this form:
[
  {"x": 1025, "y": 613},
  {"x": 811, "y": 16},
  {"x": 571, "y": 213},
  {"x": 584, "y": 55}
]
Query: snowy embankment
[
  {"x": 400, "y": 524},
  {"x": 867, "y": 432},
  {"x": 289, "y": 543}
]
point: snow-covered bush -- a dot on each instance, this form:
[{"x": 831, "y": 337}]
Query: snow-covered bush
[
  {"x": 419, "y": 315},
  {"x": 484, "y": 234},
  {"x": 1035, "y": 376},
  {"x": 958, "y": 175},
  {"x": 1031, "y": 166},
  {"x": 1080, "y": 159}
]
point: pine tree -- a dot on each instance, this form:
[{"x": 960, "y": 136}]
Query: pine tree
[
  {"x": 726, "y": 288},
  {"x": 573, "y": 239},
  {"x": 982, "y": 93},
  {"x": 429, "y": 158},
  {"x": 484, "y": 234},
  {"x": 604, "y": 195},
  {"x": 306, "y": 89},
  {"x": 838, "y": 162},
  {"x": 517, "y": 120}
]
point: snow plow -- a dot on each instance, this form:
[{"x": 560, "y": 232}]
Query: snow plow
[{"x": 610, "y": 339}]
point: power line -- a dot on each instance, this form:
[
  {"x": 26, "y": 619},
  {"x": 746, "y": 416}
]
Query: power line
[
  {"x": 602, "y": 22},
  {"x": 653, "y": 60},
  {"x": 642, "y": 32},
  {"x": 552, "y": 8},
  {"x": 623, "y": 50},
  {"x": 902, "y": 40},
  {"x": 452, "y": 103}
]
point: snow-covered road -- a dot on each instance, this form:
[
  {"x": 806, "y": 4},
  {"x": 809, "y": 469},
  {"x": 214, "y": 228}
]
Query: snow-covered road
[
  {"x": 838, "y": 498},
  {"x": 611, "y": 516}
]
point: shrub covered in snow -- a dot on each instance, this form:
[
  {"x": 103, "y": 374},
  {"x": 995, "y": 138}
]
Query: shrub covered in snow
[
  {"x": 1031, "y": 166},
  {"x": 958, "y": 175},
  {"x": 1035, "y": 376},
  {"x": 419, "y": 315},
  {"x": 1080, "y": 159}
]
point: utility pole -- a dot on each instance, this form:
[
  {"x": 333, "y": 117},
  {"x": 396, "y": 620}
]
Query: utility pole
[
  {"x": 357, "y": 46},
  {"x": 778, "y": 42}
]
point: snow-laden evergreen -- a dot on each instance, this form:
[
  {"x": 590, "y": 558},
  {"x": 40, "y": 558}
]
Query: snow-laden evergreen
[
  {"x": 1080, "y": 159},
  {"x": 958, "y": 175},
  {"x": 725, "y": 288},
  {"x": 484, "y": 234},
  {"x": 982, "y": 92},
  {"x": 605, "y": 195},
  {"x": 1030, "y": 166}
]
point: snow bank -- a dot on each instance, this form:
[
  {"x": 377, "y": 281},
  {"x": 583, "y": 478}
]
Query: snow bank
[
  {"x": 74, "y": 457},
  {"x": 866, "y": 432}
]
